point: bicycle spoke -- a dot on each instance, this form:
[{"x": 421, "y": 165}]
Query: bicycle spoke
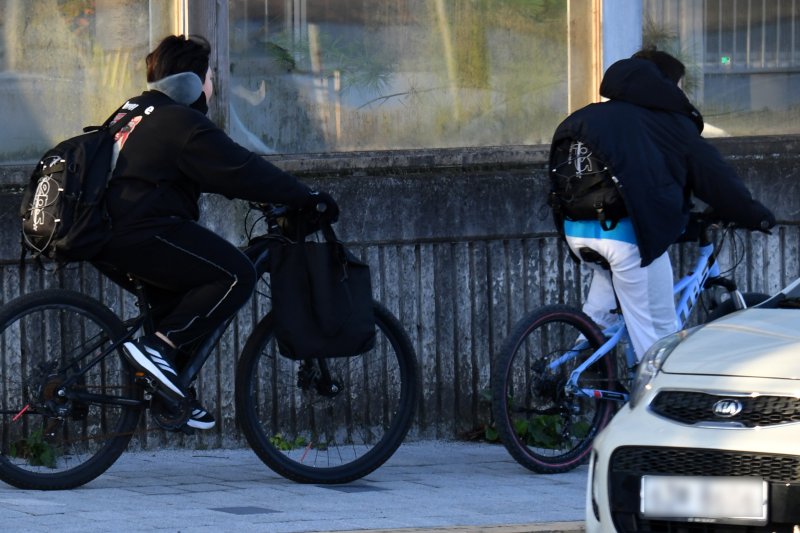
[
  {"x": 67, "y": 408},
  {"x": 545, "y": 421},
  {"x": 328, "y": 421}
]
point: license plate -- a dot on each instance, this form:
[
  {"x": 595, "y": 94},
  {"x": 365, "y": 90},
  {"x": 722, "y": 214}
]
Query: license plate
[{"x": 733, "y": 500}]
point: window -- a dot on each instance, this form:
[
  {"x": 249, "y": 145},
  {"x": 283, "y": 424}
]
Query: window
[
  {"x": 742, "y": 56},
  {"x": 344, "y": 75},
  {"x": 65, "y": 64}
]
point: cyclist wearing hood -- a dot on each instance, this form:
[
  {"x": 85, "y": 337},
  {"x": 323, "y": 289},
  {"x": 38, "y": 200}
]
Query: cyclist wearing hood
[
  {"x": 648, "y": 135},
  {"x": 165, "y": 159}
]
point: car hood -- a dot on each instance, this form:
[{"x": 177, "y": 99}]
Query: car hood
[{"x": 755, "y": 343}]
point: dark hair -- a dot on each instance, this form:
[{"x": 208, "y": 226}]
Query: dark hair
[
  {"x": 669, "y": 66},
  {"x": 176, "y": 54}
]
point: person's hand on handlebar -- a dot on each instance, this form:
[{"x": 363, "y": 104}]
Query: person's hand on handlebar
[
  {"x": 324, "y": 204},
  {"x": 763, "y": 224}
]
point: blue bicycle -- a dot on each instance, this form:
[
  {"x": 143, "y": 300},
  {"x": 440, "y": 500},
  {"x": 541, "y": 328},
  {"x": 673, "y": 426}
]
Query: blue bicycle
[{"x": 559, "y": 378}]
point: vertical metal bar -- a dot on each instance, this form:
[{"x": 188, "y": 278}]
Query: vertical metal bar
[
  {"x": 246, "y": 26},
  {"x": 734, "y": 29},
  {"x": 719, "y": 27},
  {"x": 303, "y": 19},
  {"x": 266, "y": 21},
  {"x": 791, "y": 36},
  {"x": 748, "y": 37},
  {"x": 296, "y": 21},
  {"x": 288, "y": 18},
  {"x": 794, "y": 30},
  {"x": 778, "y": 23},
  {"x": 763, "y": 33}
]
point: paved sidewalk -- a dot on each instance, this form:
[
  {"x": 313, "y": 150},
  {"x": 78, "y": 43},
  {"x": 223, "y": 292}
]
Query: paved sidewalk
[{"x": 446, "y": 486}]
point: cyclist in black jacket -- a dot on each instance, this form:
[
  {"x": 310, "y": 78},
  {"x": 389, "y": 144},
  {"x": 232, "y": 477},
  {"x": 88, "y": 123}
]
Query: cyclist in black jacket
[
  {"x": 165, "y": 159},
  {"x": 649, "y": 136}
]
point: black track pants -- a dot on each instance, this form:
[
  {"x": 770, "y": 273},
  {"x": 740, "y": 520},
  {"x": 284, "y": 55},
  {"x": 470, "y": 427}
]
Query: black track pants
[{"x": 194, "y": 278}]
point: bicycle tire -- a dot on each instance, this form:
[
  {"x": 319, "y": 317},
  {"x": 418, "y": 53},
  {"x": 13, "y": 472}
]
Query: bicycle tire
[
  {"x": 73, "y": 441},
  {"x": 727, "y": 307},
  {"x": 308, "y": 437},
  {"x": 543, "y": 428}
]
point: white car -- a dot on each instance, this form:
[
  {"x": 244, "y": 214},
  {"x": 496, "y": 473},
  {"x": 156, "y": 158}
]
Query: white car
[{"x": 710, "y": 440}]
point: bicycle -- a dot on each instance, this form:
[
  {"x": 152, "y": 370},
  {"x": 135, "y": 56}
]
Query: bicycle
[
  {"x": 70, "y": 403},
  {"x": 559, "y": 378}
]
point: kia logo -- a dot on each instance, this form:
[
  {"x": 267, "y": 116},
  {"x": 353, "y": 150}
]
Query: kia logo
[{"x": 727, "y": 408}]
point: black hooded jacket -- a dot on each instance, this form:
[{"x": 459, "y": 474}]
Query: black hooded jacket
[
  {"x": 648, "y": 133},
  {"x": 174, "y": 154}
]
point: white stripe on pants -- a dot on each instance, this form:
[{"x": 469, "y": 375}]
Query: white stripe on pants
[{"x": 645, "y": 294}]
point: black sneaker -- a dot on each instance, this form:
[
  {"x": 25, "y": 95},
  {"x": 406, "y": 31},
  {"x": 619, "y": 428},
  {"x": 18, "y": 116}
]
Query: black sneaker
[
  {"x": 152, "y": 356},
  {"x": 199, "y": 418}
]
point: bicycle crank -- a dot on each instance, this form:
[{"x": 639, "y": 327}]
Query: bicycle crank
[{"x": 170, "y": 415}]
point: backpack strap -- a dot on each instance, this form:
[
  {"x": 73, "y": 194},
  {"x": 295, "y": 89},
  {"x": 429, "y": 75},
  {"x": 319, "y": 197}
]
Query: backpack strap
[{"x": 142, "y": 104}]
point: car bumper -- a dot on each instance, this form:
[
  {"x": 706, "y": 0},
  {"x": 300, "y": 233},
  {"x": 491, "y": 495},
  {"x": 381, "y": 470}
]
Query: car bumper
[{"x": 638, "y": 442}]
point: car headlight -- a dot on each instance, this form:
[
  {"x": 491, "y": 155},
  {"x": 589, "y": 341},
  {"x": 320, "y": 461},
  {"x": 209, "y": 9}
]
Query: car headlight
[{"x": 652, "y": 361}]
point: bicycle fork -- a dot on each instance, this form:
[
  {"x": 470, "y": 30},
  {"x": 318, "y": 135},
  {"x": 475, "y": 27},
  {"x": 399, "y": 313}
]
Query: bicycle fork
[{"x": 730, "y": 286}]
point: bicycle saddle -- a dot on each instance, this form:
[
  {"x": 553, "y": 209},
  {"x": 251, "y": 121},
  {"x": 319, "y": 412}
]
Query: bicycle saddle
[{"x": 591, "y": 256}]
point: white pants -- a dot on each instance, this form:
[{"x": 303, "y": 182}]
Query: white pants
[{"x": 645, "y": 294}]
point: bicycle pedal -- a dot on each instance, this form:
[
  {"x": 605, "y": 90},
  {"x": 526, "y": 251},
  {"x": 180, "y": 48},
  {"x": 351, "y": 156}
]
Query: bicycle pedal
[{"x": 148, "y": 383}]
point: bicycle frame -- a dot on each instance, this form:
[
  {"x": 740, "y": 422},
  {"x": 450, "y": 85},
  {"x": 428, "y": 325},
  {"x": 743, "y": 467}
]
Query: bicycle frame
[
  {"x": 257, "y": 252},
  {"x": 705, "y": 274}
]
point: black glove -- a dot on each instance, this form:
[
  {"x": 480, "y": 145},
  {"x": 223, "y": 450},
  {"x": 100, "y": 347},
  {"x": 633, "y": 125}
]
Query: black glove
[
  {"x": 324, "y": 204},
  {"x": 760, "y": 219}
]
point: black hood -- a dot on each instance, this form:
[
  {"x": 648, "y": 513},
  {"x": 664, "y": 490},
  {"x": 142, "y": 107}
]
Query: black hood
[{"x": 639, "y": 82}]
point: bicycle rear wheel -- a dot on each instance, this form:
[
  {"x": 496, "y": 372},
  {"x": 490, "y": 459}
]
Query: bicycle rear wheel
[
  {"x": 56, "y": 436},
  {"x": 544, "y": 427},
  {"x": 312, "y": 430}
]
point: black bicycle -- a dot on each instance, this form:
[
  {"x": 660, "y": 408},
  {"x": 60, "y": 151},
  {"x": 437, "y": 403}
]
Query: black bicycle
[{"x": 70, "y": 403}]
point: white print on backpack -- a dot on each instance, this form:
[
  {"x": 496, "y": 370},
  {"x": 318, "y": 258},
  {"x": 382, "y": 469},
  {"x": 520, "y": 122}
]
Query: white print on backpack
[
  {"x": 41, "y": 197},
  {"x": 127, "y": 106},
  {"x": 581, "y": 157}
]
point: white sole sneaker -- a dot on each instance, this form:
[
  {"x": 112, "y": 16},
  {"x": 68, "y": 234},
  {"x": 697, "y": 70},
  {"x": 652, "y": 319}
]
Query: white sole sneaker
[
  {"x": 199, "y": 424},
  {"x": 154, "y": 364}
]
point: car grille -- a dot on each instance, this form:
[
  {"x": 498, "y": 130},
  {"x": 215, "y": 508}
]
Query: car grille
[
  {"x": 700, "y": 462},
  {"x": 628, "y": 465},
  {"x": 698, "y": 407}
]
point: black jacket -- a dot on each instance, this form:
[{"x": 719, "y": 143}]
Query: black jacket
[
  {"x": 174, "y": 154},
  {"x": 649, "y": 135}
]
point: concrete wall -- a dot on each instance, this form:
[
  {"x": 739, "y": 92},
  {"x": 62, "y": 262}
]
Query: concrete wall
[{"x": 461, "y": 244}]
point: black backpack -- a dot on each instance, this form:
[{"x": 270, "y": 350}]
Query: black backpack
[
  {"x": 583, "y": 187},
  {"x": 63, "y": 210}
]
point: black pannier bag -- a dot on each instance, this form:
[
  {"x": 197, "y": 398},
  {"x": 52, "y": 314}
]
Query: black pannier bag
[
  {"x": 583, "y": 187},
  {"x": 321, "y": 299},
  {"x": 63, "y": 209}
]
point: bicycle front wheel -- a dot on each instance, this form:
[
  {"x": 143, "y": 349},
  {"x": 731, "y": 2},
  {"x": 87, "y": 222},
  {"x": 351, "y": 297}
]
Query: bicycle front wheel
[
  {"x": 727, "y": 307},
  {"x": 316, "y": 429},
  {"x": 64, "y": 418},
  {"x": 545, "y": 427}
]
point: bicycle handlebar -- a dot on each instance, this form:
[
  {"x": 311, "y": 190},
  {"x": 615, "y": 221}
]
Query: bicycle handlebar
[
  {"x": 708, "y": 218},
  {"x": 286, "y": 221}
]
